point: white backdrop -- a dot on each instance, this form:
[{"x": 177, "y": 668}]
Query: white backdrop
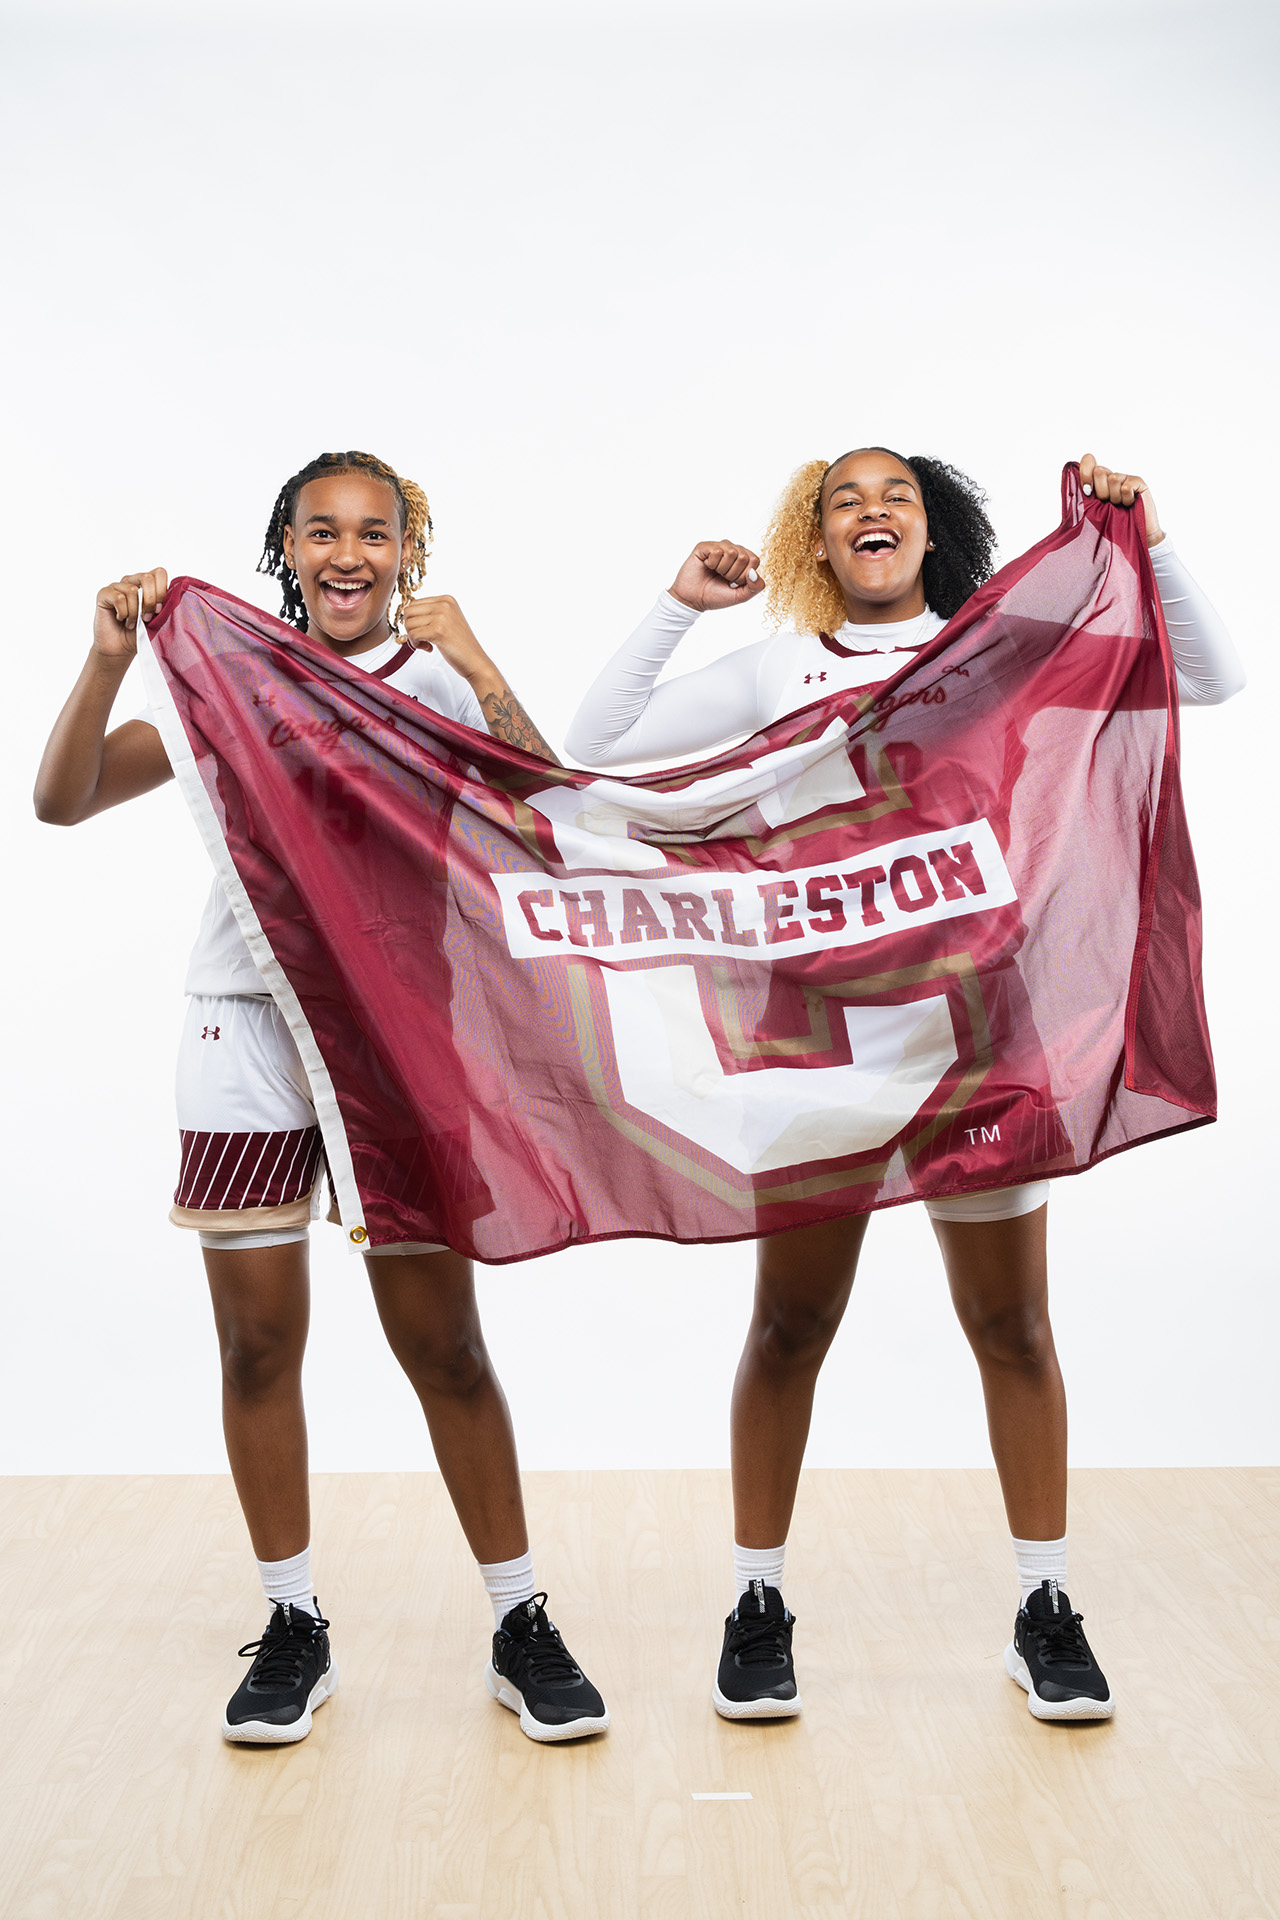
[{"x": 600, "y": 277}]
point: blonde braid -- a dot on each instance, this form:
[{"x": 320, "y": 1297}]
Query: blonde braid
[
  {"x": 417, "y": 524},
  {"x": 802, "y": 590}
]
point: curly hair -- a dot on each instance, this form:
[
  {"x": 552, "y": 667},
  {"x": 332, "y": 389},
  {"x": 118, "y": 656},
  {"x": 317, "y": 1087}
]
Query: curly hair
[
  {"x": 415, "y": 520},
  {"x": 804, "y": 591}
]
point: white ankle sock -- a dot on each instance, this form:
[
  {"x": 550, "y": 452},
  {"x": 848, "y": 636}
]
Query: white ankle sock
[
  {"x": 1040, "y": 1560},
  {"x": 287, "y": 1583},
  {"x": 507, "y": 1583},
  {"x": 758, "y": 1563}
]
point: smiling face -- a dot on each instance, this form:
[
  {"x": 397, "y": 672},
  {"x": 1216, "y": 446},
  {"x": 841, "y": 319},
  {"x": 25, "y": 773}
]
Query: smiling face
[
  {"x": 873, "y": 534},
  {"x": 347, "y": 546}
]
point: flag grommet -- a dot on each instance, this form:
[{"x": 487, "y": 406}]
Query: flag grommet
[{"x": 358, "y": 1236}]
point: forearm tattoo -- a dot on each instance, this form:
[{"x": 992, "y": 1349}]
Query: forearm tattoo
[{"x": 508, "y": 721}]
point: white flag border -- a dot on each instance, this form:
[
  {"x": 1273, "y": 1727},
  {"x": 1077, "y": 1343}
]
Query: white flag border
[{"x": 183, "y": 761}]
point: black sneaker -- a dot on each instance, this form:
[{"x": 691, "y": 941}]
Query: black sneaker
[
  {"x": 1050, "y": 1659},
  {"x": 756, "y": 1679},
  {"x": 533, "y": 1673},
  {"x": 291, "y": 1673}
]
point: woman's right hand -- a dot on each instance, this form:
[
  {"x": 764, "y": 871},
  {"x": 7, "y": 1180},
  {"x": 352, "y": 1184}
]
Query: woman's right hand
[
  {"x": 115, "y": 619},
  {"x": 717, "y": 574}
]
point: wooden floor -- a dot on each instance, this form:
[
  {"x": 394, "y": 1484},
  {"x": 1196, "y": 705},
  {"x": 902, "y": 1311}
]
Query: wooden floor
[{"x": 916, "y": 1784}]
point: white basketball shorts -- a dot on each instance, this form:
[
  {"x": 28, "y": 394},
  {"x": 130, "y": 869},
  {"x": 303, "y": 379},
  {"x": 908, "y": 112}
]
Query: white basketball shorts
[
  {"x": 252, "y": 1156},
  {"x": 251, "y": 1150},
  {"x": 999, "y": 1203}
]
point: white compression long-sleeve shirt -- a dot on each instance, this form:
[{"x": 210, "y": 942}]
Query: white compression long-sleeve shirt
[{"x": 625, "y": 718}]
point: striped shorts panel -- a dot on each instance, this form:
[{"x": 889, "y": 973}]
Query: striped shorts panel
[{"x": 231, "y": 1171}]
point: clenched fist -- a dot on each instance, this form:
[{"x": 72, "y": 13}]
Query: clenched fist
[
  {"x": 1121, "y": 489},
  {"x": 115, "y": 616},
  {"x": 438, "y": 621},
  {"x": 718, "y": 573}
]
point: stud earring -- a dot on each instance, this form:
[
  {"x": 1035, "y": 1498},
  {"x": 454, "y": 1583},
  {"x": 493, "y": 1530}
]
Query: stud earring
[{"x": 821, "y": 553}]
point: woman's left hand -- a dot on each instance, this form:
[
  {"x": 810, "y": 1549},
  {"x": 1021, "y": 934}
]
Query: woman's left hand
[
  {"x": 438, "y": 621},
  {"x": 1121, "y": 489}
]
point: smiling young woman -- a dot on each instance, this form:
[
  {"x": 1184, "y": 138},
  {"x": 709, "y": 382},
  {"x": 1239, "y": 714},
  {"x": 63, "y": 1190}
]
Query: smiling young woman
[
  {"x": 339, "y": 561},
  {"x": 346, "y": 534},
  {"x": 868, "y": 556}
]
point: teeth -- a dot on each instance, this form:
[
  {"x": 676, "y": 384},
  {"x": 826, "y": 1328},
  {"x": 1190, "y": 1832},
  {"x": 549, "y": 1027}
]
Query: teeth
[{"x": 879, "y": 538}]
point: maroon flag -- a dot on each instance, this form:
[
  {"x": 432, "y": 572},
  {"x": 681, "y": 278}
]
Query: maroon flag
[{"x": 925, "y": 939}]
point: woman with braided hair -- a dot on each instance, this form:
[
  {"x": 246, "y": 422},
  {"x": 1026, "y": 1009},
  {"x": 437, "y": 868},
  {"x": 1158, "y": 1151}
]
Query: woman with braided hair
[
  {"x": 867, "y": 557},
  {"x": 346, "y": 535}
]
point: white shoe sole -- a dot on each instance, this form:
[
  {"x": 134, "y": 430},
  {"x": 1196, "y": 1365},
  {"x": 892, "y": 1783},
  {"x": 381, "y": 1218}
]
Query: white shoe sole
[
  {"x": 754, "y": 1709},
  {"x": 260, "y": 1733},
  {"x": 1082, "y": 1709},
  {"x": 508, "y": 1696}
]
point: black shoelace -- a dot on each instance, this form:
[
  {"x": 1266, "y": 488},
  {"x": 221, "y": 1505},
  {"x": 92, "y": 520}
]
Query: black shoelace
[
  {"x": 1060, "y": 1642},
  {"x": 759, "y": 1643},
  {"x": 544, "y": 1653},
  {"x": 280, "y": 1653}
]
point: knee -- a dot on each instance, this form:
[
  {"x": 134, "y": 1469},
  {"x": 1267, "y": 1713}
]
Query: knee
[
  {"x": 451, "y": 1366},
  {"x": 1019, "y": 1337},
  {"x": 256, "y": 1356},
  {"x": 790, "y": 1337}
]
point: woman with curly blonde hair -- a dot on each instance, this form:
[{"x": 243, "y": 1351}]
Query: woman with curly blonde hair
[
  {"x": 347, "y": 537},
  {"x": 867, "y": 557}
]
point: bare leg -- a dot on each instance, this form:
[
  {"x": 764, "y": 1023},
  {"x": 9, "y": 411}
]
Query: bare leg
[
  {"x": 999, "y": 1283},
  {"x": 803, "y": 1281},
  {"x": 262, "y": 1306},
  {"x": 427, "y": 1305}
]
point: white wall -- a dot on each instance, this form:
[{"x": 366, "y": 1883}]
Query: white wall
[{"x": 599, "y": 277}]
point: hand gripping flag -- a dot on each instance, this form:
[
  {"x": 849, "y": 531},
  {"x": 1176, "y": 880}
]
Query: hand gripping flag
[{"x": 930, "y": 938}]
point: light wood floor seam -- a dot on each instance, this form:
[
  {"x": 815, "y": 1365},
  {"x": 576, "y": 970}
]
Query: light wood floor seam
[{"x": 915, "y": 1786}]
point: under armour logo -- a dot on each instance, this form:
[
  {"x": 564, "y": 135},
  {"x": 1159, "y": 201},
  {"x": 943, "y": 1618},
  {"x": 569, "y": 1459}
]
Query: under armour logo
[
  {"x": 212, "y": 1033},
  {"x": 810, "y": 677}
]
